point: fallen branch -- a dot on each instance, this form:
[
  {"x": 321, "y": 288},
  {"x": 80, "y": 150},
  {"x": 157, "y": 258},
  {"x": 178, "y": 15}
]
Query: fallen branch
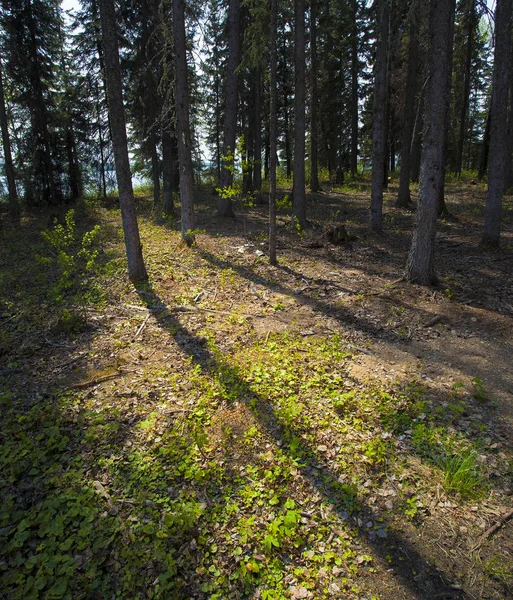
[
  {"x": 84, "y": 384},
  {"x": 143, "y": 325},
  {"x": 71, "y": 361},
  {"x": 433, "y": 321},
  {"x": 362, "y": 350},
  {"x": 498, "y": 524}
]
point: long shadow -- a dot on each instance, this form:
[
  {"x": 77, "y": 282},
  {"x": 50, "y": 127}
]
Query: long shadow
[
  {"x": 429, "y": 583},
  {"x": 344, "y": 316}
]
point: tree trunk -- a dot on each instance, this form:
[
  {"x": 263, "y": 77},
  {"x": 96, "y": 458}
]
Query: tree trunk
[
  {"x": 224, "y": 205},
  {"x": 14, "y": 205},
  {"x": 257, "y": 152},
  {"x": 499, "y": 116},
  {"x": 273, "y": 128},
  {"x": 314, "y": 174},
  {"x": 443, "y": 211},
  {"x": 288, "y": 151},
  {"x": 420, "y": 264},
  {"x": 168, "y": 160},
  {"x": 416, "y": 139},
  {"x": 183, "y": 124},
  {"x": 508, "y": 169},
  {"x": 298, "y": 186},
  {"x": 403, "y": 197},
  {"x": 354, "y": 89},
  {"x": 471, "y": 18},
  {"x": 155, "y": 170},
  {"x": 40, "y": 118},
  {"x": 485, "y": 150},
  {"x": 136, "y": 267},
  {"x": 379, "y": 117},
  {"x": 75, "y": 175}
]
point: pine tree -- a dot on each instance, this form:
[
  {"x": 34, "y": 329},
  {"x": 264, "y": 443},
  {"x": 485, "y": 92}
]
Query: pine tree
[
  {"x": 498, "y": 126},
  {"x": 420, "y": 265},
  {"x": 136, "y": 267},
  {"x": 14, "y": 206}
]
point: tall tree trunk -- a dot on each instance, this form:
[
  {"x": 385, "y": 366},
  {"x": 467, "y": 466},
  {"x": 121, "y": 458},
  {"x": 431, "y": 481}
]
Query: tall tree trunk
[
  {"x": 314, "y": 174},
  {"x": 499, "y": 116},
  {"x": 298, "y": 186},
  {"x": 485, "y": 148},
  {"x": 14, "y": 205},
  {"x": 273, "y": 135},
  {"x": 416, "y": 139},
  {"x": 420, "y": 264},
  {"x": 183, "y": 124},
  {"x": 288, "y": 151},
  {"x": 379, "y": 117},
  {"x": 443, "y": 211},
  {"x": 40, "y": 116},
  {"x": 257, "y": 152},
  {"x": 75, "y": 175},
  {"x": 218, "y": 130},
  {"x": 471, "y": 20},
  {"x": 136, "y": 268},
  {"x": 224, "y": 204},
  {"x": 247, "y": 151},
  {"x": 354, "y": 88},
  {"x": 155, "y": 170},
  {"x": 403, "y": 197},
  {"x": 168, "y": 160},
  {"x": 508, "y": 169}
]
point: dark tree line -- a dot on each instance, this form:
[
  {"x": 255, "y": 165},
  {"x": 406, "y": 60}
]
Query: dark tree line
[{"x": 314, "y": 91}]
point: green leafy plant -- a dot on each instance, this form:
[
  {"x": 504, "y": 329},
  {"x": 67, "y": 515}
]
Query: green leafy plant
[
  {"x": 75, "y": 257},
  {"x": 480, "y": 393}
]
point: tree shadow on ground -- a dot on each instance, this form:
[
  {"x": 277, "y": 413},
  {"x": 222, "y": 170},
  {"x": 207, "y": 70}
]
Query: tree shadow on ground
[{"x": 427, "y": 583}]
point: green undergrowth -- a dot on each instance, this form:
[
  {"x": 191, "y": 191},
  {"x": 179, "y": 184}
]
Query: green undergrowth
[
  {"x": 249, "y": 484},
  {"x": 254, "y": 469}
]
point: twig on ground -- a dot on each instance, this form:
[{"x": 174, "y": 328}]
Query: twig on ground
[
  {"x": 498, "y": 524},
  {"x": 71, "y": 360},
  {"x": 433, "y": 321},
  {"x": 139, "y": 331},
  {"x": 84, "y": 384}
]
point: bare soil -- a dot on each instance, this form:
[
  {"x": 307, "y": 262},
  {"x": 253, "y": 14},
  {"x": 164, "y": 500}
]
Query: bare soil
[{"x": 455, "y": 339}]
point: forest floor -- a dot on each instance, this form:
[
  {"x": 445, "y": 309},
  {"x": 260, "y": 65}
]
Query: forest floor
[{"x": 316, "y": 430}]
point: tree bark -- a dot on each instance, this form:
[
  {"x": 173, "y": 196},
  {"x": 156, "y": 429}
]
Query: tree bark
[
  {"x": 416, "y": 140},
  {"x": 257, "y": 153},
  {"x": 354, "y": 89},
  {"x": 40, "y": 118},
  {"x": 499, "y": 116},
  {"x": 508, "y": 169},
  {"x": 379, "y": 117},
  {"x": 75, "y": 175},
  {"x": 273, "y": 128},
  {"x": 14, "y": 205},
  {"x": 443, "y": 211},
  {"x": 485, "y": 149},
  {"x": 298, "y": 186},
  {"x": 224, "y": 204},
  {"x": 314, "y": 174},
  {"x": 420, "y": 263},
  {"x": 168, "y": 160},
  {"x": 183, "y": 124},
  {"x": 403, "y": 197},
  {"x": 136, "y": 268},
  {"x": 471, "y": 19},
  {"x": 155, "y": 170}
]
